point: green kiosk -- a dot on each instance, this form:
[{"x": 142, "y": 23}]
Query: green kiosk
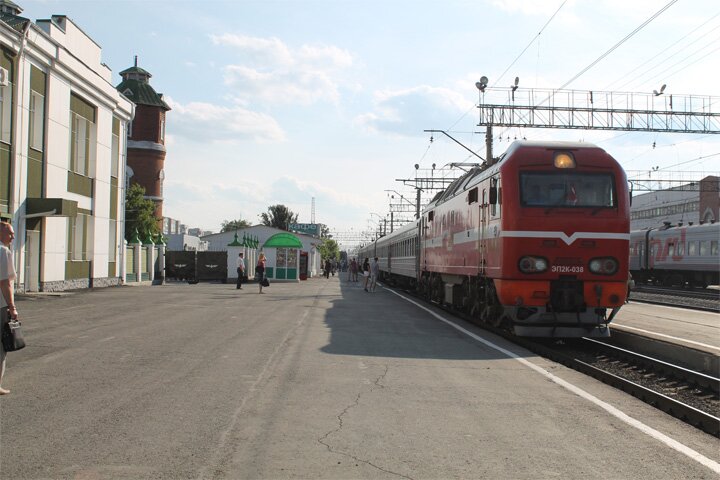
[{"x": 283, "y": 256}]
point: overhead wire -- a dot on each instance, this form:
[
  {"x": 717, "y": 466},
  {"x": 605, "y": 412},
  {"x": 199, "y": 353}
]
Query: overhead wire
[
  {"x": 526, "y": 48},
  {"x": 531, "y": 42},
  {"x": 618, "y": 44},
  {"x": 607, "y": 87}
]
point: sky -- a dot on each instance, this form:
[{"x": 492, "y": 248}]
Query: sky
[{"x": 283, "y": 101}]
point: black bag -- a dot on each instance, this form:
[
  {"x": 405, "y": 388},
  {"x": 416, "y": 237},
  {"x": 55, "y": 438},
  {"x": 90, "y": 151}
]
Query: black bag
[
  {"x": 265, "y": 282},
  {"x": 12, "y": 337}
]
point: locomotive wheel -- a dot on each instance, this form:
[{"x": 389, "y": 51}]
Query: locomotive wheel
[
  {"x": 438, "y": 289},
  {"x": 473, "y": 298},
  {"x": 423, "y": 287}
]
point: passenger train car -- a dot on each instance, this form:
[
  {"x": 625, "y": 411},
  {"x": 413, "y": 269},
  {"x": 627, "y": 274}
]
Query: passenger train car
[
  {"x": 536, "y": 242},
  {"x": 676, "y": 255}
]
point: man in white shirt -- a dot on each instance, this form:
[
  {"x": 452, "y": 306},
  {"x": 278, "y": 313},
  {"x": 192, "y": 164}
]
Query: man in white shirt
[
  {"x": 240, "y": 270},
  {"x": 7, "y": 277},
  {"x": 374, "y": 272}
]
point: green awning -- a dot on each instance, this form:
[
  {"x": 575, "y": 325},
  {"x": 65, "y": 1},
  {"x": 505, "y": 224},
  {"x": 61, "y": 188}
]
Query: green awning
[
  {"x": 283, "y": 240},
  {"x": 62, "y": 207}
]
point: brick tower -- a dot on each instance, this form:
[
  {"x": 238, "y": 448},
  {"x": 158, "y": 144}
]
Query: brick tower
[{"x": 146, "y": 135}]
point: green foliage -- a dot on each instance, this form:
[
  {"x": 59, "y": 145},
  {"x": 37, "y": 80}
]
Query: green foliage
[
  {"x": 139, "y": 213},
  {"x": 329, "y": 249},
  {"x": 231, "y": 225},
  {"x": 279, "y": 216}
]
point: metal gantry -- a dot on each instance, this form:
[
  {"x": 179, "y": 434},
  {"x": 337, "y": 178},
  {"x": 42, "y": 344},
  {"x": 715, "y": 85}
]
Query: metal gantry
[{"x": 592, "y": 110}]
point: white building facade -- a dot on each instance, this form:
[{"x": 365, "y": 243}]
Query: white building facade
[
  {"x": 693, "y": 203},
  {"x": 62, "y": 153}
]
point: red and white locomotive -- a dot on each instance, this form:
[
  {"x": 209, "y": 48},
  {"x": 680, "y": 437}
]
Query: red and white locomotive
[{"x": 537, "y": 242}]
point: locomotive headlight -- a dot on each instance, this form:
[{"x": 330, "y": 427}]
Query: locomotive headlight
[
  {"x": 532, "y": 264},
  {"x": 603, "y": 265},
  {"x": 564, "y": 160}
]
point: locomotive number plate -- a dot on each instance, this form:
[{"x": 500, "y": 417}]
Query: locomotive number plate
[{"x": 567, "y": 269}]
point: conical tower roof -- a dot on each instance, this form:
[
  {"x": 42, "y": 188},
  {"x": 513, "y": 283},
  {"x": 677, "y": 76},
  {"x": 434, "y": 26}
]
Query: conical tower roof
[{"x": 136, "y": 87}]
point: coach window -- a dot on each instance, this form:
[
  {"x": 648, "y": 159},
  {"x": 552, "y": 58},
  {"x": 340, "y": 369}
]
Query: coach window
[
  {"x": 692, "y": 248},
  {"x": 473, "y": 196},
  {"x": 431, "y": 216},
  {"x": 714, "y": 248},
  {"x": 704, "y": 248}
]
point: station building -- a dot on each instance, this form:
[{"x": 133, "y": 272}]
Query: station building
[
  {"x": 62, "y": 154},
  {"x": 697, "y": 202},
  {"x": 285, "y": 251}
]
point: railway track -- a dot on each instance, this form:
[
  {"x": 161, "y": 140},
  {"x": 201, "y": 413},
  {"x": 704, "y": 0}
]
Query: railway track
[
  {"x": 685, "y": 394},
  {"x": 696, "y": 299},
  {"x": 690, "y": 396},
  {"x": 700, "y": 293}
]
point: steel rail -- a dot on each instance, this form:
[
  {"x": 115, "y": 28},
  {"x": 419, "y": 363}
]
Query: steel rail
[{"x": 681, "y": 373}]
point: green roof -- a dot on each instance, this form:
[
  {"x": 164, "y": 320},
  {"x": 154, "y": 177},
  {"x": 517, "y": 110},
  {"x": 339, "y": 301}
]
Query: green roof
[
  {"x": 142, "y": 93},
  {"x": 16, "y": 22},
  {"x": 136, "y": 69},
  {"x": 283, "y": 240}
]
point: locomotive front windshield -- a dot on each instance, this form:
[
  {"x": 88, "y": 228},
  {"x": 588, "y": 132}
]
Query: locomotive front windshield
[{"x": 595, "y": 190}]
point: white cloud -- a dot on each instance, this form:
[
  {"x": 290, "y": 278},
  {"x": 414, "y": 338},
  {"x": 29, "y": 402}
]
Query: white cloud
[
  {"x": 273, "y": 72},
  {"x": 206, "y": 122},
  {"x": 410, "y": 111}
]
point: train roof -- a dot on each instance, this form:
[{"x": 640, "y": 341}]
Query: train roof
[
  {"x": 555, "y": 145},
  {"x": 474, "y": 175}
]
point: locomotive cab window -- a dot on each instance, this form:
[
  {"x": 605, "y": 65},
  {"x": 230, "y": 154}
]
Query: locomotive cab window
[{"x": 540, "y": 189}]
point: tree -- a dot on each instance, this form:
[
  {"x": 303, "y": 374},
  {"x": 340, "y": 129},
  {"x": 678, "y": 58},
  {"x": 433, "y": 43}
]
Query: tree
[
  {"x": 279, "y": 216},
  {"x": 325, "y": 232},
  {"x": 139, "y": 214},
  {"x": 230, "y": 225},
  {"x": 329, "y": 249}
]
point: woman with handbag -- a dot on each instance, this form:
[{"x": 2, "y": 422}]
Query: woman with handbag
[
  {"x": 8, "y": 310},
  {"x": 260, "y": 270}
]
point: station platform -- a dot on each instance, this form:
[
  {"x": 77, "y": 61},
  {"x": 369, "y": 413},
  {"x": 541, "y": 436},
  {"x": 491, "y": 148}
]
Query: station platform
[
  {"x": 315, "y": 379},
  {"x": 689, "y": 337}
]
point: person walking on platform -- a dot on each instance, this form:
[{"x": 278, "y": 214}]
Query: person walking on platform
[
  {"x": 374, "y": 272},
  {"x": 366, "y": 272},
  {"x": 260, "y": 270},
  {"x": 352, "y": 271},
  {"x": 240, "y": 270},
  {"x": 328, "y": 267},
  {"x": 8, "y": 310}
]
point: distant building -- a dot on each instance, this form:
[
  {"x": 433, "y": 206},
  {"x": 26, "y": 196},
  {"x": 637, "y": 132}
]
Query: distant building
[
  {"x": 62, "y": 154},
  {"x": 691, "y": 203},
  {"x": 198, "y": 232},
  {"x": 171, "y": 226},
  {"x": 146, "y": 135},
  {"x": 180, "y": 241}
]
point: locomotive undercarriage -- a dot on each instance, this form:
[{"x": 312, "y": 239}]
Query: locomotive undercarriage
[{"x": 565, "y": 315}]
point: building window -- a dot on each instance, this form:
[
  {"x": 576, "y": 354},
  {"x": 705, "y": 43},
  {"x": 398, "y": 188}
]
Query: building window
[
  {"x": 37, "y": 120},
  {"x": 129, "y": 129},
  {"x": 77, "y": 237},
  {"x": 5, "y": 112},
  {"x": 162, "y": 129},
  {"x": 115, "y": 148},
  {"x": 82, "y": 135},
  {"x": 112, "y": 247}
]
